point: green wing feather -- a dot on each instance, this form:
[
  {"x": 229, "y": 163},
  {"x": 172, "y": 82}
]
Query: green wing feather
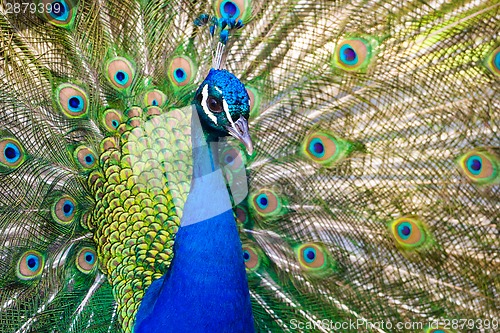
[{"x": 373, "y": 189}]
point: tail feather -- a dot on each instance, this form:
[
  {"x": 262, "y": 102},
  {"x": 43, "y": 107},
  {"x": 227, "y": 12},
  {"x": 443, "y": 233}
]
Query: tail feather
[{"x": 397, "y": 128}]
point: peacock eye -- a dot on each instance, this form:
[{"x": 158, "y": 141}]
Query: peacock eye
[
  {"x": 30, "y": 265},
  {"x": 86, "y": 260},
  {"x": 251, "y": 258},
  {"x": 410, "y": 233},
  {"x": 214, "y": 104}
]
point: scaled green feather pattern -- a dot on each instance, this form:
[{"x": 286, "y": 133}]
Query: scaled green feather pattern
[
  {"x": 139, "y": 197},
  {"x": 373, "y": 189}
]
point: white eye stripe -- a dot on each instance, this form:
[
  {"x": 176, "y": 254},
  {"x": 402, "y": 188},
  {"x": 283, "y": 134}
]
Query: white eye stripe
[
  {"x": 204, "y": 105},
  {"x": 226, "y": 109}
]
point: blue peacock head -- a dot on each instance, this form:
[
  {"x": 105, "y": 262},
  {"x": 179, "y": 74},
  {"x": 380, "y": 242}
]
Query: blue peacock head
[{"x": 223, "y": 106}]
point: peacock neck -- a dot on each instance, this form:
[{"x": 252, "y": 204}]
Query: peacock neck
[
  {"x": 204, "y": 149},
  {"x": 205, "y": 289},
  {"x": 208, "y": 196}
]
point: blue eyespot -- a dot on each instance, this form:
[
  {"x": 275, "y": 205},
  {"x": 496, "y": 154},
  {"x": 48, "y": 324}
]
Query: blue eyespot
[
  {"x": 115, "y": 123},
  {"x": 180, "y": 75},
  {"x": 474, "y": 164},
  {"x": 86, "y": 260},
  {"x": 72, "y": 100},
  {"x": 229, "y": 9},
  {"x": 121, "y": 77},
  {"x": 89, "y": 257},
  {"x": 410, "y": 233},
  {"x": 312, "y": 257},
  {"x": 68, "y": 208},
  {"x": 89, "y": 159},
  {"x": 64, "y": 209},
  {"x": 348, "y": 55},
  {"x": 85, "y": 157},
  {"x": 154, "y": 102},
  {"x": 404, "y": 230},
  {"x": 267, "y": 204},
  {"x": 75, "y": 104},
  {"x": 480, "y": 166},
  {"x": 251, "y": 257},
  {"x": 32, "y": 262},
  {"x": 59, "y": 10},
  {"x": 317, "y": 148},
  {"x": 262, "y": 201},
  {"x": 11, "y": 153},
  {"x": 30, "y": 265},
  {"x": 120, "y": 72},
  {"x": 181, "y": 72},
  {"x": 497, "y": 61},
  {"x": 229, "y": 159},
  {"x": 309, "y": 254}
]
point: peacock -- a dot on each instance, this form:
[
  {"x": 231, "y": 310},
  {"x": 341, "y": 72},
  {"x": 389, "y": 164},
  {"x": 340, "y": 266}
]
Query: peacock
[{"x": 249, "y": 166}]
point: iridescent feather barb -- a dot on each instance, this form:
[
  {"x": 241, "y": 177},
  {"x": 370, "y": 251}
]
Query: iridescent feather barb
[{"x": 373, "y": 183}]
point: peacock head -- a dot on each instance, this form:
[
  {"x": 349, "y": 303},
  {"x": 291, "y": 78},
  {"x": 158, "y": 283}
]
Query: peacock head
[{"x": 223, "y": 106}]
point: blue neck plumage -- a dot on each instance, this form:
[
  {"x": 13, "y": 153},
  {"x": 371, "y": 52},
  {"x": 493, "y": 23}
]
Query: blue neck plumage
[{"x": 205, "y": 289}]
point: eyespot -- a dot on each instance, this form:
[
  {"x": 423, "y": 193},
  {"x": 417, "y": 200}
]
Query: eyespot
[
  {"x": 251, "y": 258},
  {"x": 214, "y": 104},
  {"x": 86, "y": 260},
  {"x": 120, "y": 72},
  {"x": 85, "y": 157},
  {"x": 64, "y": 209},
  {"x": 232, "y": 9},
  {"x": 241, "y": 215},
  {"x": 409, "y": 233},
  {"x": 154, "y": 98},
  {"x": 12, "y": 153},
  {"x": 30, "y": 265},
  {"x": 311, "y": 256},
  {"x": 480, "y": 167},
  {"x": 112, "y": 119},
  {"x": 352, "y": 54},
  {"x": 266, "y": 203},
  {"x": 60, "y": 10},
  {"x": 254, "y": 100},
  {"x": 232, "y": 159},
  {"x": 325, "y": 149},
  {"x": 493, "y": 61},
  {"x": 72, "y": 100},
  {"x": 60, "y": 13},
  {"x": 181, "y": 71}
]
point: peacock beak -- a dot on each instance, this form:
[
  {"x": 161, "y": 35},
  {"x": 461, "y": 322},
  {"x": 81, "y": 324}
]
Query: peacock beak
[{"x": 239, "y": 130}]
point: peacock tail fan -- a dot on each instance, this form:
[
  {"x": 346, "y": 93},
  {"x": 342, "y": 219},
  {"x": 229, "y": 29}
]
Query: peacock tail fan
[
  {"x": 96, "y": 159},
  {"x": 372, "y": 194},
  {"x": 374, "y": 183}
]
